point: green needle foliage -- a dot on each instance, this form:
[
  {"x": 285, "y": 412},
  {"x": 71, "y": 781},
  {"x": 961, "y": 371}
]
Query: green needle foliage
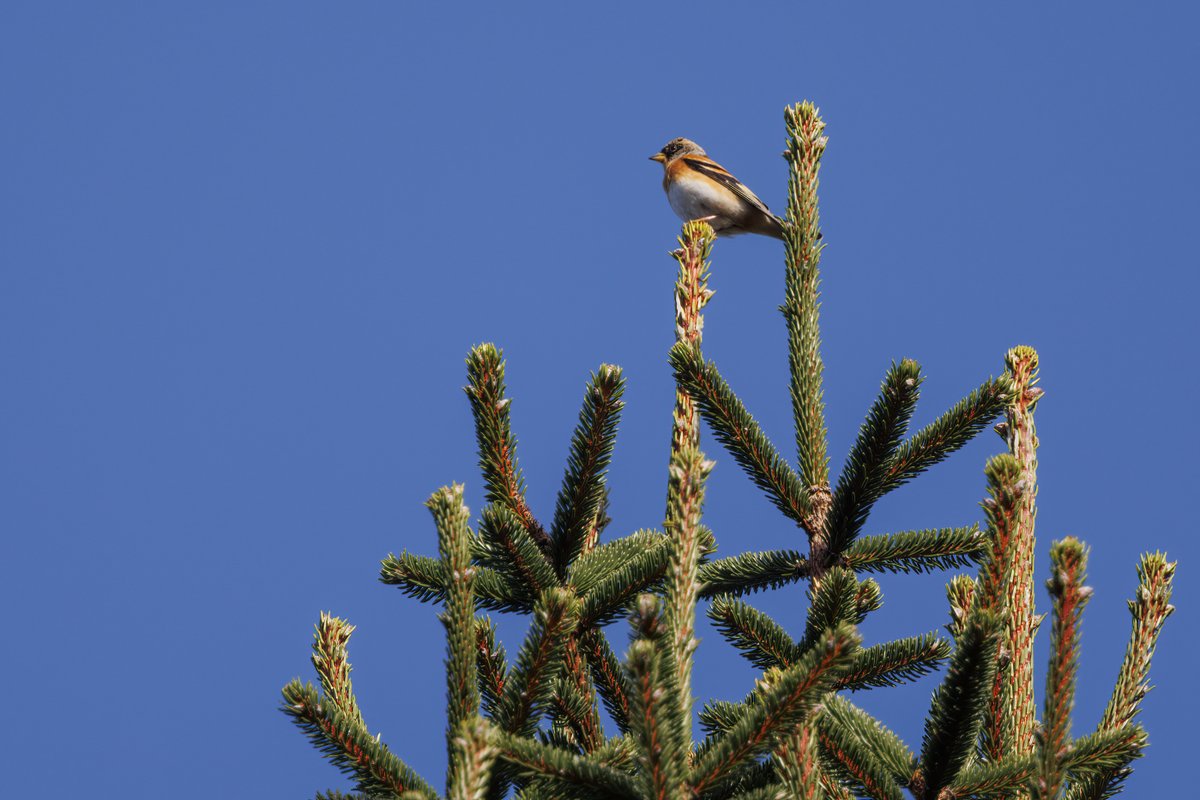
[
  {"x": 738, "y": 431},
  {"x": 462, "y": 681},
  {"x": 582, "y": 497},
  {"x": 761, "y": 639},
  {"x": 863, "y": 478},
  {"x": 802, "y": 256},
  {"x": 751, "y": 572},
  {"x": 956, "y": 713},
  {"x": 896, "y": 662},
  {"x": 492, "y": 665},
  {"x": 569, "y": 716},
  {"x": 916, "y": 551},
  {"x": 861, "y": 752},
  {"x": 785, "y": 700},
  {"x": 502, "y": 477},
  {"x": 506, "y": 546},
  {"x": 528, "y": 690}
]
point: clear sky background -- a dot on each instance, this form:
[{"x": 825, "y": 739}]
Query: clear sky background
[{"x": 244, "y": 248}]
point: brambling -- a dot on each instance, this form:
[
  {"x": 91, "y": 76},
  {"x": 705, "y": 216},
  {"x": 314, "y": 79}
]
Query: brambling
[{"x": 699, "y": 188}]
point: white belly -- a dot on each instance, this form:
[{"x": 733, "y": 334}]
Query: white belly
[{"x": 693, "y": 199}]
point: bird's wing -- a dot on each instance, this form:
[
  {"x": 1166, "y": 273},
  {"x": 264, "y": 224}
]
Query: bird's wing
[{"x": 711, "y": 169}]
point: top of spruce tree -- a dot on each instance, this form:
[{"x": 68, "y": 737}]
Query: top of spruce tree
[{"x": 532, "y": 725}]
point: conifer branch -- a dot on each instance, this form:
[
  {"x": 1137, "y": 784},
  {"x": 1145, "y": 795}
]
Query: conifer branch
[
  {"x": 896, "y": 662},
  {"x": 834, "y": 790},
  {"x": 1098, "y": 764},
  {"x": 535, "y": 684},
  {"x": 346, "y": 742},
  {"x": 611, "y": 598},
  {"x": 1104, "y": 750},
  {"x": 691, "y": 296},
  {"x": 916, "y": 551},
  {"x": 607, "y": 676},
  {"x": 718, "y": 716},
  {"x": 462, "y": 679},
  {"x": 506, "y": 546},
  {"x": 862, "y": 480},
  {"x": 426, "y": 579},
  {"x": 956, "y": 712},
  {"x": 785, "y": 703},
  {"x": 1020, "y": 621},
  {"x": 801, "y": 306},
  {"x": 740, "y": 434},
  {"x": 593, "y": 568},
  {"x": 1150, "y": 608},
  {"x": 610, "y": 577},
  {"x": 574, "y": 724},
  {"x": 949, "y": 432},
  {"x": 503, "y": 482},
  {"x": 417, "y": 576},
  {"x": 772, "y": 792},
  {"x": 491, "y": 665},
  {"x": 538, "y": 789},
  {"x": 531, "y": 682},
  {"x": 600, "y": 521},
  {"x": 471, "y": 761},
  {"x": 560, "y": 734},
  {"x": 653, "y": 721},
  {"x": 688, "y": 472},
  {"x": 960, "y": 591},
  {"x": 759, "y": 638},
  {"x": 332, "y": 666},
  {"x": 1005, "y": 489},
  {"x": 1068, "y": 563},
  {"x": 751, "y": 778},
  {"x": 799, "y": 765},
  {"x": 581, "y": 776},
  {"x": 992, "y": 778},
  {"x": 581, "y": 498},
  {"x": 685, "y": 497},
  {"x": 618, "y": 752},
  {"x": 658, "y": 723},
  {"x": 749, "y": 572},
  {"x": 832, "y": 601},
  {"x": 868, "y": 597},
  {"x": 1006, "y": 578},
  {"x": 865, "y": 753},
  {"x": 576, "y": 699}
]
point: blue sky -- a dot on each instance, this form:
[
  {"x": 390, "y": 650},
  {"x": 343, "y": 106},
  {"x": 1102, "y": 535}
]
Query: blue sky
[{"x": 245, "y": 248}]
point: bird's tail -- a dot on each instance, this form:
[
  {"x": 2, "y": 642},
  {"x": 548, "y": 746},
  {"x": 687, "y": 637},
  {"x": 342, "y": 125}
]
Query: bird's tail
[{"x": 778, "y": 228}]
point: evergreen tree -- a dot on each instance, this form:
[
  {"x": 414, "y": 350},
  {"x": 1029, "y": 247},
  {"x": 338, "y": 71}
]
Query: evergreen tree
[{"x": 532, "y": 725}]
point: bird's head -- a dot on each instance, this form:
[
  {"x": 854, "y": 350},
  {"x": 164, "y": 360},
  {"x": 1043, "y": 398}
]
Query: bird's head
[{"x": 676, "y": 148}]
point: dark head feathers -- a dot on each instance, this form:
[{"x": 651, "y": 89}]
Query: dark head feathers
[{"x": 681, "y": 147}]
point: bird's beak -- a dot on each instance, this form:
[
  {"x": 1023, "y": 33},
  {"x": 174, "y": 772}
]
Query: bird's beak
[{"x": 659, "y": 157}]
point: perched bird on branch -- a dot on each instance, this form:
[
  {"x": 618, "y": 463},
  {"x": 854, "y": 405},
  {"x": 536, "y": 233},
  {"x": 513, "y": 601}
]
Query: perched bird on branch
[{"x": 699, "y": 188}]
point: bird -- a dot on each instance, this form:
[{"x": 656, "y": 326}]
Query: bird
[{"x": 699, "y": 188}]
